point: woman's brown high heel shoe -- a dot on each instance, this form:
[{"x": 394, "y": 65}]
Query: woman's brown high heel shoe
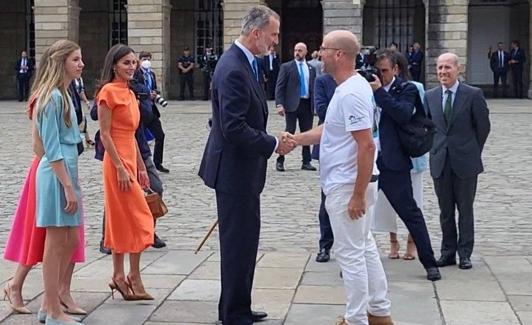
[
  {"x": 410, "y": 250},
  {"x": 140, "y": 296},
  {"x": 17, "y": 310},
  {"x": 125, "y": 293},
  {"x": 394, "y": 249}
]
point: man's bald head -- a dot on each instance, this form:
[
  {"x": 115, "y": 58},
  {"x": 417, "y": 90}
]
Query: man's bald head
[
  {"x": 345, "y": 41},
  {"x": 448, "y": 69},
  {"x": 450, "y": 57},
  {"x": 300, "y": 51}
]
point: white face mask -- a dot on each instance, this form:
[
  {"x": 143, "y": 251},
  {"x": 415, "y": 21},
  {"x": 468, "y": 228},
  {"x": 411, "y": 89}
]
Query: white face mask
[{"x": 145, "y": 64}]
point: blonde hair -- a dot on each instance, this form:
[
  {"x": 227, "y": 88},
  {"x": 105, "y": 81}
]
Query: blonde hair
[{"x": 51, "y": 75}]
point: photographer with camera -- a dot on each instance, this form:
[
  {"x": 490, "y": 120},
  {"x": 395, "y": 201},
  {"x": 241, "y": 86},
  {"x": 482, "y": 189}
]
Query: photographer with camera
[
  {"x": 397, "y": 101},
  {"x": 151, "y": 120},
  {"x": 207, "y": 64},
  {"x": 185, "y": 67}
]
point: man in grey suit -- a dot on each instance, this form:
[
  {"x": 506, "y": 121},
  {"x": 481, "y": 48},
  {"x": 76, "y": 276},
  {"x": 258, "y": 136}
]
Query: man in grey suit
[
  {"x": 294, "y": 99},
  {"x": 462, "y": 127}
]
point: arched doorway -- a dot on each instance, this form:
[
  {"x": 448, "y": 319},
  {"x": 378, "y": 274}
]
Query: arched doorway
[
  {"x": 17, "y": 32},
  {"x": 102, "y": 24},
  {"x": 399, "y": 21},
  {"x": 488, "y": 24},
  {"x": 301, "y": 21},
  {"x": 197, "y": 24}
]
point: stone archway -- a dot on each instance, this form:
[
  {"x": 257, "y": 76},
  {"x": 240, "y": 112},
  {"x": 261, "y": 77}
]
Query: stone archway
[
  {"x": 301, "y": 21},
  {"x": 488, "y": 24},
  {"x": 17, "y": 31}
]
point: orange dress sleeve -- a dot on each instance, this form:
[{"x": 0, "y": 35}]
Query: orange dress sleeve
[{"x": 107, "y": 97}]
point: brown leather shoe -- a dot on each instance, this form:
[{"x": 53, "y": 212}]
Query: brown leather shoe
[{"x": 379, "y": 320}]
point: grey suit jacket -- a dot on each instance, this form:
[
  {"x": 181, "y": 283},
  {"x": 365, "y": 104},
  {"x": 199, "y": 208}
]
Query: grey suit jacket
[
  {"x": 461, "y": 142},
  {"x": 287, "y": 87}
]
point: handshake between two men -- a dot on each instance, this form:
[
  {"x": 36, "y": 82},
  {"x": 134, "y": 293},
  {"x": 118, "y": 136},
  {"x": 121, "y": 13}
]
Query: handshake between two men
[{"x": 287, "y": 143}]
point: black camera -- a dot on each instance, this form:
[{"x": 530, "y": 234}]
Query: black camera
[
  {"x": 160, "y": 100},
  {"x": 369, "y": 74}
]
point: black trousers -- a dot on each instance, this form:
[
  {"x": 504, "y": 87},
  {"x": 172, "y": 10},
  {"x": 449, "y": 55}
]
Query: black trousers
[
  {"x": 272, "y": 81},
  {"x": 239, "y": 227},
  {"x": 305, "y": 116},
  {"x": 188, "y": 80},
  {"x": 415, "y": 71},
  {"x": 23, "y": 86},
  {"x": 397, "y": 186},
  {"x": 517, "y": 77},
  {"x": 499, "y": 75},
  {"x": 156, "y": 129},
  {"x": 456, "y": 193},
  {"x": 206, "y": 85},
  {"x": 326, "y": 233}
]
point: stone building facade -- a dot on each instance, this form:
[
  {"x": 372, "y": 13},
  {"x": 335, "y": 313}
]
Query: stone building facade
[{"x": 164, "y": 27}]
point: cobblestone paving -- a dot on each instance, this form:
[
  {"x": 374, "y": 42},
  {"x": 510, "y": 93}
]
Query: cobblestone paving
[{"x": 289, "y": 217}]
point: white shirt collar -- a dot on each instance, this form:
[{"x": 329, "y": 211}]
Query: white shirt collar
[
  {"x": 387, "y": 87},
  {"x": 453, "y": 88},
  {"x": 247, "y": 52}
]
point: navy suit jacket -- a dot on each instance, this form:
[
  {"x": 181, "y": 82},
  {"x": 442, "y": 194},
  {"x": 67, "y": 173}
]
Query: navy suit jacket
[
  {"x": 324, "y": 88},
  {"x": 29, "y": 63},
  {"x": 518, "y": 55},
  {"x": 288, "y": 88},
  {"x": 145, "y": 113},
  {"x": 236, "y": 153},
  {"x": 494, "y": 61},
  {"x": 397, "y": 106},
  {"x": 415, "y": 59}
]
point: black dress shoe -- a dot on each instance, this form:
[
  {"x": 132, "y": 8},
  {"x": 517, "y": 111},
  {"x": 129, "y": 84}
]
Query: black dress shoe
[
  {"x": 103, "y": 249},
  {"x": 162, "y": 169},
  {"x": 323, "y": 256},
  {"x": 308, "y": 166},
  {"x": 465, "y": 263},
  {"x": 158, "y": 242},
  {"x": 445, "y": 261},
  {"x": 433, "y": 274},
  {"x": 257, "y": 316},
  {"x": 279, "y": 166}
]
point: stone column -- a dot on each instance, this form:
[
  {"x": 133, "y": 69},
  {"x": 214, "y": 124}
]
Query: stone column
[
  {"x": 149, "y": 30},
  {"x": 234, "y": 11},
  {"x": 446, "y": 32},
  {"x": 529, "y": 58},
  {"x": 55, "y": 20},
  {"x": 343, "y": 14}
]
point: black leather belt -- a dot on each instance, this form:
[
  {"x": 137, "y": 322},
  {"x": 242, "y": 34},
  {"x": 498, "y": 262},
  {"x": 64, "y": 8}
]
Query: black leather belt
[{"x": 374, "y": 178}]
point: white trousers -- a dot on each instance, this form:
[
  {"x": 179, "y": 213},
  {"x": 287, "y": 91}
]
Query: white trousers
[
  {"x": 385, "y": 219},
  {"x": 357, "y": 255}
]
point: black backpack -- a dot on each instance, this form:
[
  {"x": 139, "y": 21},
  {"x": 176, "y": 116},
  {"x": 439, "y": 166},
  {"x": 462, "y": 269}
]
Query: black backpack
[{"x": 416, "y": 137}]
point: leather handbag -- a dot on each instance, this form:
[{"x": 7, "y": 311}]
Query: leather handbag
[{"x": 156, "y": 204}]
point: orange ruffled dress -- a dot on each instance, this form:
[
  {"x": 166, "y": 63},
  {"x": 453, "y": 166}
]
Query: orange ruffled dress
[{"x": 128, "y": 221}]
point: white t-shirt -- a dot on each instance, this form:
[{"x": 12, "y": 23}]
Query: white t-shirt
[{"x": 352, "y": 108}]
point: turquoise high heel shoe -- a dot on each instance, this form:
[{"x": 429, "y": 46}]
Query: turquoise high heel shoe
[
  {"x": 51, "y": 321},
  {"x": 41, "y": 317}
]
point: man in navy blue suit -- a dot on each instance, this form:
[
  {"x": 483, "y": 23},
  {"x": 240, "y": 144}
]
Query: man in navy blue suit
[
  {"x": 235, "y": 160},
  {"x": 415, "y": 61},
  {"x": 24, "y": 68},
  {"x": 397, "y": 100},
  {"x": 517, "y": 62},
  {"x": 499, "y": 65}
]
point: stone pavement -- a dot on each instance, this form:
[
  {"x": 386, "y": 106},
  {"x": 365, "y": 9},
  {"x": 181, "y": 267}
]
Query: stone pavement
[{"x": 289, "y": 284}]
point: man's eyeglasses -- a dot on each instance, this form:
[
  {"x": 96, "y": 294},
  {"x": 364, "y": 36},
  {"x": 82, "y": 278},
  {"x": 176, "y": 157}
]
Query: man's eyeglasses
[{"x": 322, "y": 48}]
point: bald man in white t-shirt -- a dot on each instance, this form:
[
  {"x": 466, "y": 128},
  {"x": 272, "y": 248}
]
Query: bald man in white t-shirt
[{"x": 349, "y": 175}]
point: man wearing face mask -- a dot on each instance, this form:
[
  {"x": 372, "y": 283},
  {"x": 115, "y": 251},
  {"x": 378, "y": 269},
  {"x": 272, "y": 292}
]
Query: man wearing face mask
[{"x": 151, "y": 121}]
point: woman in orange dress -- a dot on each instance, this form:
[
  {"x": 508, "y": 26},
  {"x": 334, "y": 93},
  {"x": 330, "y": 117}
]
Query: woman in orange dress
[{"x": 128, "y": 220}]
